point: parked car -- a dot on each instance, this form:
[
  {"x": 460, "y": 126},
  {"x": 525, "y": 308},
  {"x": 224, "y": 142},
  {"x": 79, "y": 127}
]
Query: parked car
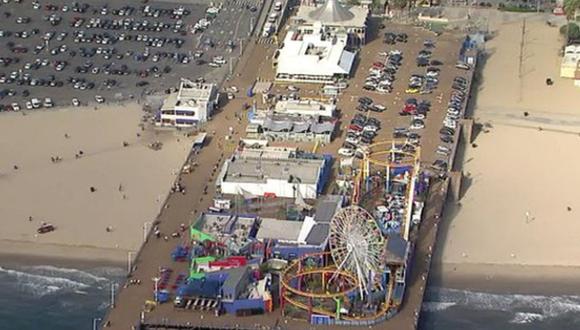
[{"x": 347, "y": 152}]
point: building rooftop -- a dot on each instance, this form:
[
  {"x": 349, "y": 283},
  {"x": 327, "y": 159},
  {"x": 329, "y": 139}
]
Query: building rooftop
[
  {"x": 259, "y": 170},
  {"x": 332, "y": 13},
  {"x": 305, "y": 108},
  {"x": 233, "y": 230},
  {"x": 571, "y": 56},
  {"x": 326, "y": 208},
  {"x": 279, "y": 229},
  {"x": 287, "y": 123},
  {"x": 396, "y": 249},
  {"x": 189, "y": 94},
  {"x": 268, "y": 152},
  {"x": 316, "y": 55},
  {"x": 189, "y": 90},
  {"x": 318, "y": 234}
]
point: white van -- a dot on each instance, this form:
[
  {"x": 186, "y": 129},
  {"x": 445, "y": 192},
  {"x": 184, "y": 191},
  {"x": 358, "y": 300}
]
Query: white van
[
  {"x": 278, "y": 6},
  {"x": 272, "y": 18}
]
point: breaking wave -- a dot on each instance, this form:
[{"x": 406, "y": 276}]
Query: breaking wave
[
  {"x": 40, "y": 285},
  {"x": 525, "y": 318},
  {"x": 434, "y": 306},
  {"x": 76, "y": 274},
  {"x": 526, "y": 308}
]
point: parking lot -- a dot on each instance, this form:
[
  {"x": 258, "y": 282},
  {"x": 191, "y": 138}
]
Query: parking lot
[
  {"x": 118, "y": 52},
  {"x": 413, "y": 98},
  {"x": 414, "y": 104}
]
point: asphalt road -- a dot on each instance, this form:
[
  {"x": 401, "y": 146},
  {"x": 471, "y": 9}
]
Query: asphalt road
[{"x": 172, "y": 62}]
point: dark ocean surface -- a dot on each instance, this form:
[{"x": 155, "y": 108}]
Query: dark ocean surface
[
  {"x": 50, "y": 298},
  {"x": 460, "y": 309}
]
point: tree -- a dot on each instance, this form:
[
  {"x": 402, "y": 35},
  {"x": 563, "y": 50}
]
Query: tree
[
  {"x": 570, "y": 7},
  {"x": 399, "y": 4},
  {"x": 572, "y": 30}
]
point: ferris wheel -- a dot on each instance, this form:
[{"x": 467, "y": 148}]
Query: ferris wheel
[{"x": 357, "y": 245}]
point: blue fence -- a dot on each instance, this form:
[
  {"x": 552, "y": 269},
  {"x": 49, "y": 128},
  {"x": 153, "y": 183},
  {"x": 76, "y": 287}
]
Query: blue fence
[
  {"x": 324, "y": 175},
  {"x": 241, "y": 304}
]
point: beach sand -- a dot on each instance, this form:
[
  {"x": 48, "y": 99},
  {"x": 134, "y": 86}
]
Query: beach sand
[
  {"x": 131, "y": 182},
  {"x": 520, "y": 206}
]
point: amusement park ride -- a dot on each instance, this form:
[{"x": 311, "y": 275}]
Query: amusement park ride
[{"x": 353, "y": 281}]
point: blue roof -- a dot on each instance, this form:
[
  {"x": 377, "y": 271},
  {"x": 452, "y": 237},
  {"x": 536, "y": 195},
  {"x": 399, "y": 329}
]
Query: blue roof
[{"x": 200, "y": 288}]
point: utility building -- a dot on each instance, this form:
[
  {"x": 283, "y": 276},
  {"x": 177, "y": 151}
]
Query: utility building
[
  {"x": 274, "y": 172},
  {"x": 193, "y": 103},
  {"x": 336, "y": 20},
  {"x": 322, "y": 58}
]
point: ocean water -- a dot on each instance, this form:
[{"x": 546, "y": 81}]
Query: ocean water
[
  {"x": 50, "y": 298},
  {"x": 47, "y": 297},
  {"x": 459, "y": 309}
]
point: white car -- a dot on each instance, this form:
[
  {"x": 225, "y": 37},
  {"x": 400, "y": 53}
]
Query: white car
[
  {"x": 76, "y": 102},
  {"x": 15, "y": 107},
  {"x": 36, "y": 103},
  {"x": 231, "y": 96},
  {"x": 370, "y": 128},
  {"x": 353, "y": 140},
  {"x": 48, "y": 102},
  {"x": 293, "y": 88},
  {"x": 417, "y": 126},
  {"x": 99, "y": 99},
  {"x": 462, "y": 66},
  {"x": 450, "y": 123},
  {"x": 219, "y": 60},
  {"x": 29, "y": 105},
  {"x": 346, "y": 152},
  {"x": 380, "y": 107}
]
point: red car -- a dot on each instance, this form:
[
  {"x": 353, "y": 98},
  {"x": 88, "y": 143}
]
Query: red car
[
  {"x": 45, "y": 228},
  {"x": 355, "y": 128}
]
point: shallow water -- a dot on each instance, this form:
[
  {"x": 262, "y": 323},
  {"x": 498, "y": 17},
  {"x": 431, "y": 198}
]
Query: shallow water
[
  {"x": 66, "y": 298},
  {"x": 48, "y": 297},
  {"x": 460, "y": 309}
]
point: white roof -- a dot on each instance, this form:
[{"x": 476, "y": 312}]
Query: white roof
[
  {"x": 309, "y": 54},
  {"x": 333, "y": 14},
  {"x": 331, "y": 11},
  {"x": 571, "y": 56}
]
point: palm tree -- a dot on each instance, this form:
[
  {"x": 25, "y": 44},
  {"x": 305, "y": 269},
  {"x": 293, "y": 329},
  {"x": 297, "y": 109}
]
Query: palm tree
[{"x": 570, "y": 7}]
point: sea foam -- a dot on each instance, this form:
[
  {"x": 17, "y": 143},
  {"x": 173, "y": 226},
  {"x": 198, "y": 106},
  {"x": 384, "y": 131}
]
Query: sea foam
[
  {"x": 41, "y": 285},
  {"x": 546, "y": 306}
]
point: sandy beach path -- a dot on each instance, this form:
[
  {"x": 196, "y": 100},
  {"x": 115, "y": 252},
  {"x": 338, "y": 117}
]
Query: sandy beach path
[{"x": 130, "y": 181}]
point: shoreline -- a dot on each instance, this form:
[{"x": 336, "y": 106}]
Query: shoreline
[
  {"x": 507, "y": 278},
  {"x": 20, "y": 252}
]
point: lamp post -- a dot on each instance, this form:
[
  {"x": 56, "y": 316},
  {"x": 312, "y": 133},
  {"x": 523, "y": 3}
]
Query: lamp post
[
  {"x": 156, "y": 279},
  {"x": 113, "y": 287},
  {"x": 96, "y": 321},
  {"x": 146, "y": 225},
  {"x": 130, "y": 261}
]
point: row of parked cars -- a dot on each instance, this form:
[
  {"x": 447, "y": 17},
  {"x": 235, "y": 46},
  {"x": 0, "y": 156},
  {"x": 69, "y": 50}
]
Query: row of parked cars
[
  {"x": 382, "y": 73},
  {"x": 36, "y": 103},
  {"x": 392, "y": 38},
  {"x": 83, "y": 8},
  {"x": 424, "y": 84},
  {"x": 417, "y": 110},
  {"x": 450, "y": 122},
  {"x": 361, "y": 131}
]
